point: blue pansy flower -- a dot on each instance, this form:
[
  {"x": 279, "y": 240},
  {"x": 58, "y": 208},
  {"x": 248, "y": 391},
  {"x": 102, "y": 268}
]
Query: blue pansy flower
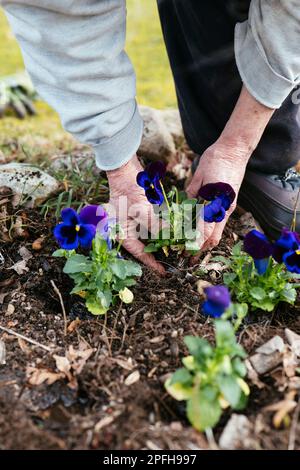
[
  {"x": 214, "y": 211},
  {"x": 73, "y": 231},
  {"x": 221, "y": 196},
  {"x": 150, "y": 181},
  {"x": 288, "y": 241},
  {"x": 287, "y": 250},
  {"x": 257, "y": 245},
  {"x": 217, "y": 301}
]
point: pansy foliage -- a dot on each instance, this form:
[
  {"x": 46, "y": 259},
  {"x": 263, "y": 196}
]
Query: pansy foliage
[
  {"x": 178, "y": 215},
  {"x": 212, "y": 378},
  {"x": 102, "y": 276},
  {"x": 259, "y": 289}
]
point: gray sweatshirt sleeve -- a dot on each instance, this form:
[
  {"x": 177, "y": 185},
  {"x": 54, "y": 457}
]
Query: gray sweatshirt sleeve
[
  {"x": 74, "y": 52},
  {"x": 267, "y": 50}
]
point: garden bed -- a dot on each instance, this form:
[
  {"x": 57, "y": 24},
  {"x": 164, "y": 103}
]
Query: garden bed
[{"x": 114, "y": 397}]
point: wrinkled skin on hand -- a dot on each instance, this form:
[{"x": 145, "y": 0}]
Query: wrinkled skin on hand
[
  {"x": 219, "y": 163},
  {"x": 123, "y": 187}
]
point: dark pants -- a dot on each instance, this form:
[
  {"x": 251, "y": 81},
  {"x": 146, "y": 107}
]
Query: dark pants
[{"x": 199, "y": 36}]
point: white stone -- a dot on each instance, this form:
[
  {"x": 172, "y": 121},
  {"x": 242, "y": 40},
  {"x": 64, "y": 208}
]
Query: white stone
[
  {"x": 30, "y": 185},
  {"x": 236, "y": 434}
]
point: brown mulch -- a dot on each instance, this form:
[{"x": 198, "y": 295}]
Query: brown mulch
[{"x": 117, "y": 400}]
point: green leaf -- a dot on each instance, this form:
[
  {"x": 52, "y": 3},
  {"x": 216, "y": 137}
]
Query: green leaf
[
  {"x": 236, "y": 250},
  {"x": 191, "y": 202},
  {"x": 225, "y": 335},
  {"x": 59, "y": 253},
  {"x": 178, "y": 391},
  {"x": 229, "y": 278},
  {"x": 151, "y": 248},
  {"x": 189, "y": 363},
  {"x": 239, "y": 367},
  {"x": 242, "y": 403},
  {"x": 266, "y": 305},
  {"x": 198, "y": 347},
  {"x": 192, "y": 245},
  {"x": 132, "y": 268},
  {"x": 119, "y": 269},
  {"x": 78, "y": 264},
  {"x": 95, "y": 307},
  {"x": 203, "y": 409},
  {"x": 289, "y": 295},
  {"x": 220, "y": 259},
  {"x": 258, "y": 293},
  {"x": 182, "y": 376},
  {"x": 105, "y": 298},
  {"x": 230, "y": 389}
]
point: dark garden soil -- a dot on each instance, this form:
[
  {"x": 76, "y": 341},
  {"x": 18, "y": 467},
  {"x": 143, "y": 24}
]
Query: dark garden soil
[{"x": 113, "y": 397}]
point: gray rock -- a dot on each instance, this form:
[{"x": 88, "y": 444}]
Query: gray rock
[
  {"x": 237, "y": 434},
  {"x": 30, "y": 185},
  {"x": 162, "y": 130},
  {"x": 268, "y": 356},
  {"x": 172, "y": 120},
  {"x": 162, "y": 134},
  {"x": 293, "y": 340}
]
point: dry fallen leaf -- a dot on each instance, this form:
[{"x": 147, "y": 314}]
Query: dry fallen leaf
[
  {"x": 20, "y": 267},
  {"x": 132, "y": 378},
  {"x": 157, "y": 339},
  {"x": 39, "y": 376},
  {"x": 24, "y": 253},
  {"x": 127, "y": 365},
  {"x": 73, "y": 325},
  {"x": 37, "y": 245},
  {"x": 283, "y": 408},
  {"x": 290, "y": 363},
  {"x": 68, "y": 366},
  {"x": 103, "y": 423},
  {"x": 63, "y": 365},
  {"x": 10, "y": 309},
  {"x": 201, "y": 285},
  {"x": 24, "y": 346}
]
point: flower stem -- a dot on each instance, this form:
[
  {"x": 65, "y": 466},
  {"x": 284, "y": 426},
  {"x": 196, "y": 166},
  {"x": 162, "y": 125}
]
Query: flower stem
[{"x": 165, "y": 197}]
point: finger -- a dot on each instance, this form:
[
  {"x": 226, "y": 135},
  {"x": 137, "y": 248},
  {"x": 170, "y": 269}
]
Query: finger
[
  {"x": 206, "y": 230},
  {"x": 136, "y": 249},
  {"x": 145, "y": 216},
  {"x": 216, "y": 236},
  {"x": 194, "y": 186}
]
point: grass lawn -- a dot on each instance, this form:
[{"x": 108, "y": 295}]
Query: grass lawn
[{"x": 42, "y": 135}]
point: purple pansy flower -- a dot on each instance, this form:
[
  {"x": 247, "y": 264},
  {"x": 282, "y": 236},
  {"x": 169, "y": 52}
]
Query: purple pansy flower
[
  {"x": 150, "y": 179},
  {"x": 217, "y": 301},
  {"x": 73, "y": 231},
  {"x": 257, "y": 245},
  {"x": 92, "y": 214},
  {"x": 221, "y": 196}
]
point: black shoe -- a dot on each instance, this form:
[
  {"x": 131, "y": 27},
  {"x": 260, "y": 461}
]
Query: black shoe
[{"x": 271, "y": 199}]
